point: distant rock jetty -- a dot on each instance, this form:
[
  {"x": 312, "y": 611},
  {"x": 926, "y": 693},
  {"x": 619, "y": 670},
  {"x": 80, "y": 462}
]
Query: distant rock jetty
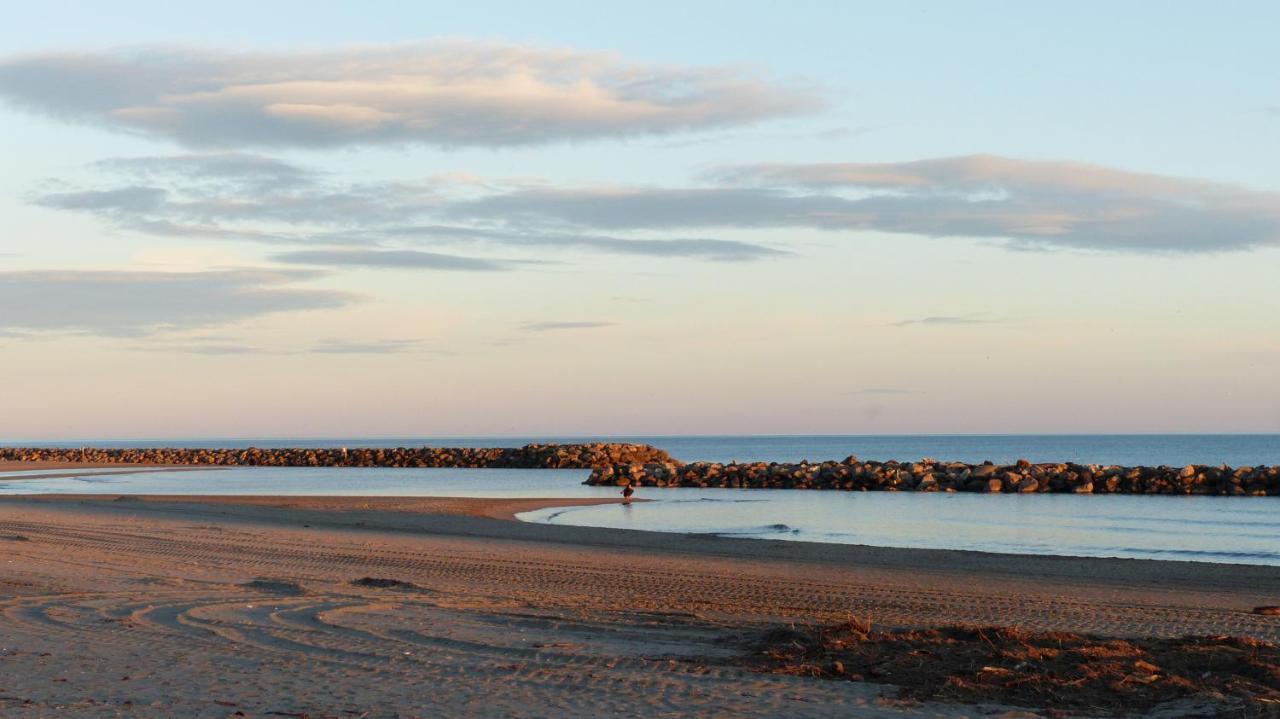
[
  {"x": 530, "y": 456},
  {"x": 932, "y": 476},
  {"x": 615, "y": 463}
]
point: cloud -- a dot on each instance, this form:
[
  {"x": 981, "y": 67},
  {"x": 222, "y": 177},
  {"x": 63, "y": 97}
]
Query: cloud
[
  {"x": 693, "y": 248},
  {"x": 118, "y": 202},
  {"x": 1021, "y": 204},
  {"x": 652, "y": 208},
  {"x": 449, "y": 92},
  {"x": 946, "y": 320},
  {"x": 132, "y": 304},
  {"x": 696, "y": 248},
  {"x": 222, "y": 346},
  {"x": 558, "y": 325},
  {"x": 253, "y": 198},
  {"x": 1037, "y": 203},
  {"x": 392, "y": 259},
  {"x": 238, "y": 169},
  {"x": 237, "y": 195},
  {"x": 212, "y": 349},
  {"x": 1024, "y": 203},
  {"x": 390, "y": 346}
]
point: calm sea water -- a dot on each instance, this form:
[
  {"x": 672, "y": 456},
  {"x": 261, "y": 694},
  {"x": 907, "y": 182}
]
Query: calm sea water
[
  {"x": 1206, "y": 529},
  {"x": 1150, "y": 449}
]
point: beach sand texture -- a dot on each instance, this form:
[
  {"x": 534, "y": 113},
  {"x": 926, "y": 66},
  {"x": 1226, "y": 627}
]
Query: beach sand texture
[{"x": 204, "y": 607}]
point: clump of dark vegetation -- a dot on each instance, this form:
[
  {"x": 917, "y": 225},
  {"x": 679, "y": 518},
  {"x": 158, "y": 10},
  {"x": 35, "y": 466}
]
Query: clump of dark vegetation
[
  {"x": 1054, "y": 670},
  {"x": 15, "y": 537},
  {"x": 381, "y": 583},
  {"x": 266, "y": 585}
]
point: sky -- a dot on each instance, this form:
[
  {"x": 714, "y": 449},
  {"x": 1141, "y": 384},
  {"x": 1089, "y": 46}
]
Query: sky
[{"x": 315, "y": 219}]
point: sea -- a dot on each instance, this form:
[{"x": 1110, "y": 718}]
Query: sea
[
  {"x": 1241, "y": 530},
  {"x": 1147, "y": 449}
]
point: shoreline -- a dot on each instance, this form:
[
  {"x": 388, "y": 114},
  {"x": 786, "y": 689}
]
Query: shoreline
[
  {"x": 507, "y": 508},
  {"x": 58, "y": 470},
  {"x": 493, "y": 519},
  {"x": 501, "y": 508},
  {"x": 9, "y": 465}
]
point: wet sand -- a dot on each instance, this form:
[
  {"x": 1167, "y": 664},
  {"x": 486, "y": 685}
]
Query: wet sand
[
  {"x": 207, "y": 606},
  {"x": 10, "y": 466},
  {"x": 57, "y": 470}
]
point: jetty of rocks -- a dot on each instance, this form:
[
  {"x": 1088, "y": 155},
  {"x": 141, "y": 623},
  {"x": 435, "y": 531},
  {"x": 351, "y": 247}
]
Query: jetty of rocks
[
  {"x": 929, "y": 475},
  {"x": 530, "y": 456}
]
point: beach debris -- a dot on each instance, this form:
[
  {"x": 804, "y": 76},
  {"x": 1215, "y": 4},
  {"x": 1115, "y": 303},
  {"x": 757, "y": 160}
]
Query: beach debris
[
  {"x": 274, "y": 586},
  {"x": 383, "y": 583},
  {"x": 1015, "y": 667},
  {"x": 1270, "y": 611}
]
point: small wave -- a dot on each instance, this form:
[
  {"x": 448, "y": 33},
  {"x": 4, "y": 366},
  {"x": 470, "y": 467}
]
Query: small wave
[
  {"x": 755, "y": 531},
  {"x": 1223, "y": 553},
  {"x": 1228, "y": 520},
  {"x": 700, "y": 500},
  {"x": 554, "y": 515}
]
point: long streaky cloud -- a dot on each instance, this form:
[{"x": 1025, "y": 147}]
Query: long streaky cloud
[
  {"x": 1025, "y": 203},
  {"x": 365, "y": 347},
  {"x": 134, "y": 304},
  {"x": 244, "y": 169},
  {"x": 393, "y": 259},
  {"x": 700, "y": 248},
  {"x": 559, "y": 325},
  {"x": 1020, "y": 204},
  {"x": 446, "y": 93},
  {"x": 944, "y": 320},
  {"x": 253, "y": 198}
]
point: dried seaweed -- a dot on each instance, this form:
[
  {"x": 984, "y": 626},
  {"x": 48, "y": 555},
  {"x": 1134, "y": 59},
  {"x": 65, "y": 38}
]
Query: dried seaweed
[{"x": 1054, "y": 670}]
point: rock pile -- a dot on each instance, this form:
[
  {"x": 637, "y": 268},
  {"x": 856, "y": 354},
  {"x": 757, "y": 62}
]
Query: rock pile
[
  {"x": 929, "y": 475},
  {"x": 530, "y": 456}
]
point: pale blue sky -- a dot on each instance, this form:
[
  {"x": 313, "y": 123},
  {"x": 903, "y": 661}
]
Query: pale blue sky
[{"x": 582, "y": 285}]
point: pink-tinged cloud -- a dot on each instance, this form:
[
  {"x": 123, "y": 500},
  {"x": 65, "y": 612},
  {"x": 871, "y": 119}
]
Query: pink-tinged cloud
[{"x": 441, "y": 92}]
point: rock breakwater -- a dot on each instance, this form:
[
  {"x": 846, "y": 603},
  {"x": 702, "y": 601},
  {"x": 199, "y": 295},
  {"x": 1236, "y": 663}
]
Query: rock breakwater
[
  {"x": 929, "y": 475},
  {"x": 530, "y": 456}
]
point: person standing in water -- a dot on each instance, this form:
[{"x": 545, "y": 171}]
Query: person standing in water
[{"x": 627, "y": 491}]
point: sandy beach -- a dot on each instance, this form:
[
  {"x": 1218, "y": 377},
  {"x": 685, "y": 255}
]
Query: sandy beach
[
  {"x": 565, "y": 360},
  {"x": 209, "y": 606}
]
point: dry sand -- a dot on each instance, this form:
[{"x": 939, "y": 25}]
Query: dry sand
[{"x": 208, "y": 606}]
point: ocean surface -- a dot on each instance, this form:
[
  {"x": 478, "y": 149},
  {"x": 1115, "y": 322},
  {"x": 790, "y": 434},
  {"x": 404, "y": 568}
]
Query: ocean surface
[
  {"x": 1244, "y": 530},
  {"x": 1149, "y": 449}
]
